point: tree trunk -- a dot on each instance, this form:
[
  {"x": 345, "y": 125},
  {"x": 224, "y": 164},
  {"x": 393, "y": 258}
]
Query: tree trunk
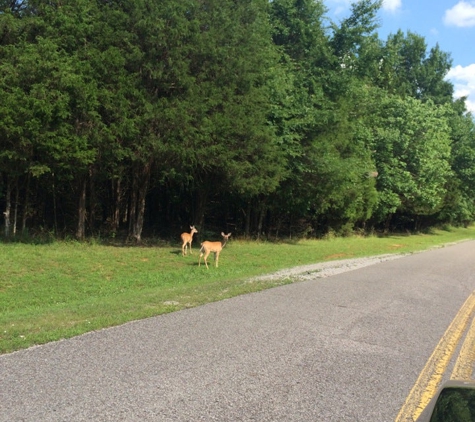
[
  {"x": 27, "y": 204},
  {"x": 262, "y": 212},
  {"x": 55, "y": 214},
  {"x": 133, "y": 207},
  {"x": 142, "y": 194},
  {"x": 116, "y": 189},
  {"x": 92, "y": 200},
  {"x": 278, "y": 225},
  {"x": 8, "y": 207},
  {"x": 387, "y": 223},
  {"x": 81, "y": 230},
  {"x": 15, "y": 209},
  {"x": 199, "y": 205},
  {"x": 247, "y": 229},
  {"x": 139, "y": 195}
]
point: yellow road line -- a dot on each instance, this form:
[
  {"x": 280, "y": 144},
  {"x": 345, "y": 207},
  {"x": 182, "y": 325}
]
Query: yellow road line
[
  {"x": 431, "y": 375},
  {"x": 464, "y": 365}
]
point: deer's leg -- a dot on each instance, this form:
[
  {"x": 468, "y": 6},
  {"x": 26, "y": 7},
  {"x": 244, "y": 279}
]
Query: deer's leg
[
  {"x": 191, "y": 253},
  {"x": 216, "y": 258},
  {"x": 206, "y": 257},
  {"x": 199, "y": 261}
]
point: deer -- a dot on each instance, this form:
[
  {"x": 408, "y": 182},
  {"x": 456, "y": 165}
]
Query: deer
[
  {"x": 216, "y": 247},
  {"x": 187, "y": 238}
]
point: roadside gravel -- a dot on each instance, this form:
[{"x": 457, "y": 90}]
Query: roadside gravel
[
  {"x": 329, "y": 268},
  {"x": 326, "y": 269}
]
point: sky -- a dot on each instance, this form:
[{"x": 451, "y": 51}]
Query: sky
[{"x": 448, "y": 23}]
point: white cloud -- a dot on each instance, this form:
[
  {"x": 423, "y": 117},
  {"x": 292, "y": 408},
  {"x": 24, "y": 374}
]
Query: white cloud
[
  {"x": 392, "y": 5},
  {"x": 341, "y": 6},
  {"x": 462, "y": 14},
  {"x": 463, "y": 79},
  {"x": 340, "y": 10}
]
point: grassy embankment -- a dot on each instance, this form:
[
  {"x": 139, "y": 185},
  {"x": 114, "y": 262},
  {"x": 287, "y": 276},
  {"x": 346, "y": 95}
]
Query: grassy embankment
[{"x": 62, "y": 289}]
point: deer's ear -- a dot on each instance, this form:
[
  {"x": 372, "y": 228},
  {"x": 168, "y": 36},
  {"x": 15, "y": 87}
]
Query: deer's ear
[
  {"x": 222, "y": 234},
  {"x": 229, "y": 234}
]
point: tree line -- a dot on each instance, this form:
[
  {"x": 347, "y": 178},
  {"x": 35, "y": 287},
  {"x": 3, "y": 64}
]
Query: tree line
[{"x": 264, "y": 118}]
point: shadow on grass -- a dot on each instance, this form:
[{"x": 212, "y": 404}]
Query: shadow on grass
[
  {"x": 28, "y": 240},
  {"x": 122, "y": 241}
]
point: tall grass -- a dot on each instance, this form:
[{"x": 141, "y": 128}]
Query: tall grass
[{"x": 62, "y": 289}]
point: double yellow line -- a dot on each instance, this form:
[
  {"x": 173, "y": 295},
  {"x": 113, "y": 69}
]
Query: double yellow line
[{"x": 430, "y": 378}]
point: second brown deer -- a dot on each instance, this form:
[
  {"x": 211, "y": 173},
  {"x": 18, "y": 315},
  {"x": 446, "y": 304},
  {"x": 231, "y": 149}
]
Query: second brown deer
[
  {"x": 187, "y": 238},
  {"x": 215, "y": 247}
]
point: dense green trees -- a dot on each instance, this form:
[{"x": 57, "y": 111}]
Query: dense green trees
[
  {"x": 411, "y": 142},
  {"x": 261, "y": 117}
]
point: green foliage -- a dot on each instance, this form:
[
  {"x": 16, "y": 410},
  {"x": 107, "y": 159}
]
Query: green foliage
[
  {"x": 460, "y": 201},
  {"x": 353, "y": 33},
  {"x": 412, "y": 148},
  {"x": 408, "y": 69},
  {"x": 131, "y": 115},
  {"x": 454, "y": 404}
]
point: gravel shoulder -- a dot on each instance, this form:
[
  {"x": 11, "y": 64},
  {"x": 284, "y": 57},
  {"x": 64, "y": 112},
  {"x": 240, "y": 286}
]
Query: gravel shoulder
[
  {"x": 327, "y": 269},
  {"x": 330, "y": 268}
]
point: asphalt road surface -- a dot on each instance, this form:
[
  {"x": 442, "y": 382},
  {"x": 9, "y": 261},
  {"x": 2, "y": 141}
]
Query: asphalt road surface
[{"x": 343, "y": 348}]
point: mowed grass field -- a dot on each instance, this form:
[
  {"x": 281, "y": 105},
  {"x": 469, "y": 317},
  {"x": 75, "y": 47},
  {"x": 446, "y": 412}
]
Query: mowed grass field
[{"x": 62, "y": 289}]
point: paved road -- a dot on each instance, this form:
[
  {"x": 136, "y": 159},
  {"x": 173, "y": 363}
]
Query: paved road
[{"x": 343, "y": 348}]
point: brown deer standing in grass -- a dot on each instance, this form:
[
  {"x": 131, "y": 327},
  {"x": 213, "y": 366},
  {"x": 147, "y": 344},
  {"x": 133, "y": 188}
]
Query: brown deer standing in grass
[
  {"x": 216, "y": 247},
  {"x": 187, "y": 238}
]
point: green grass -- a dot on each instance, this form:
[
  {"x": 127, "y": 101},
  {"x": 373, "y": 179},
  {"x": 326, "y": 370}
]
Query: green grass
[{"x": 62, "y": 289}]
